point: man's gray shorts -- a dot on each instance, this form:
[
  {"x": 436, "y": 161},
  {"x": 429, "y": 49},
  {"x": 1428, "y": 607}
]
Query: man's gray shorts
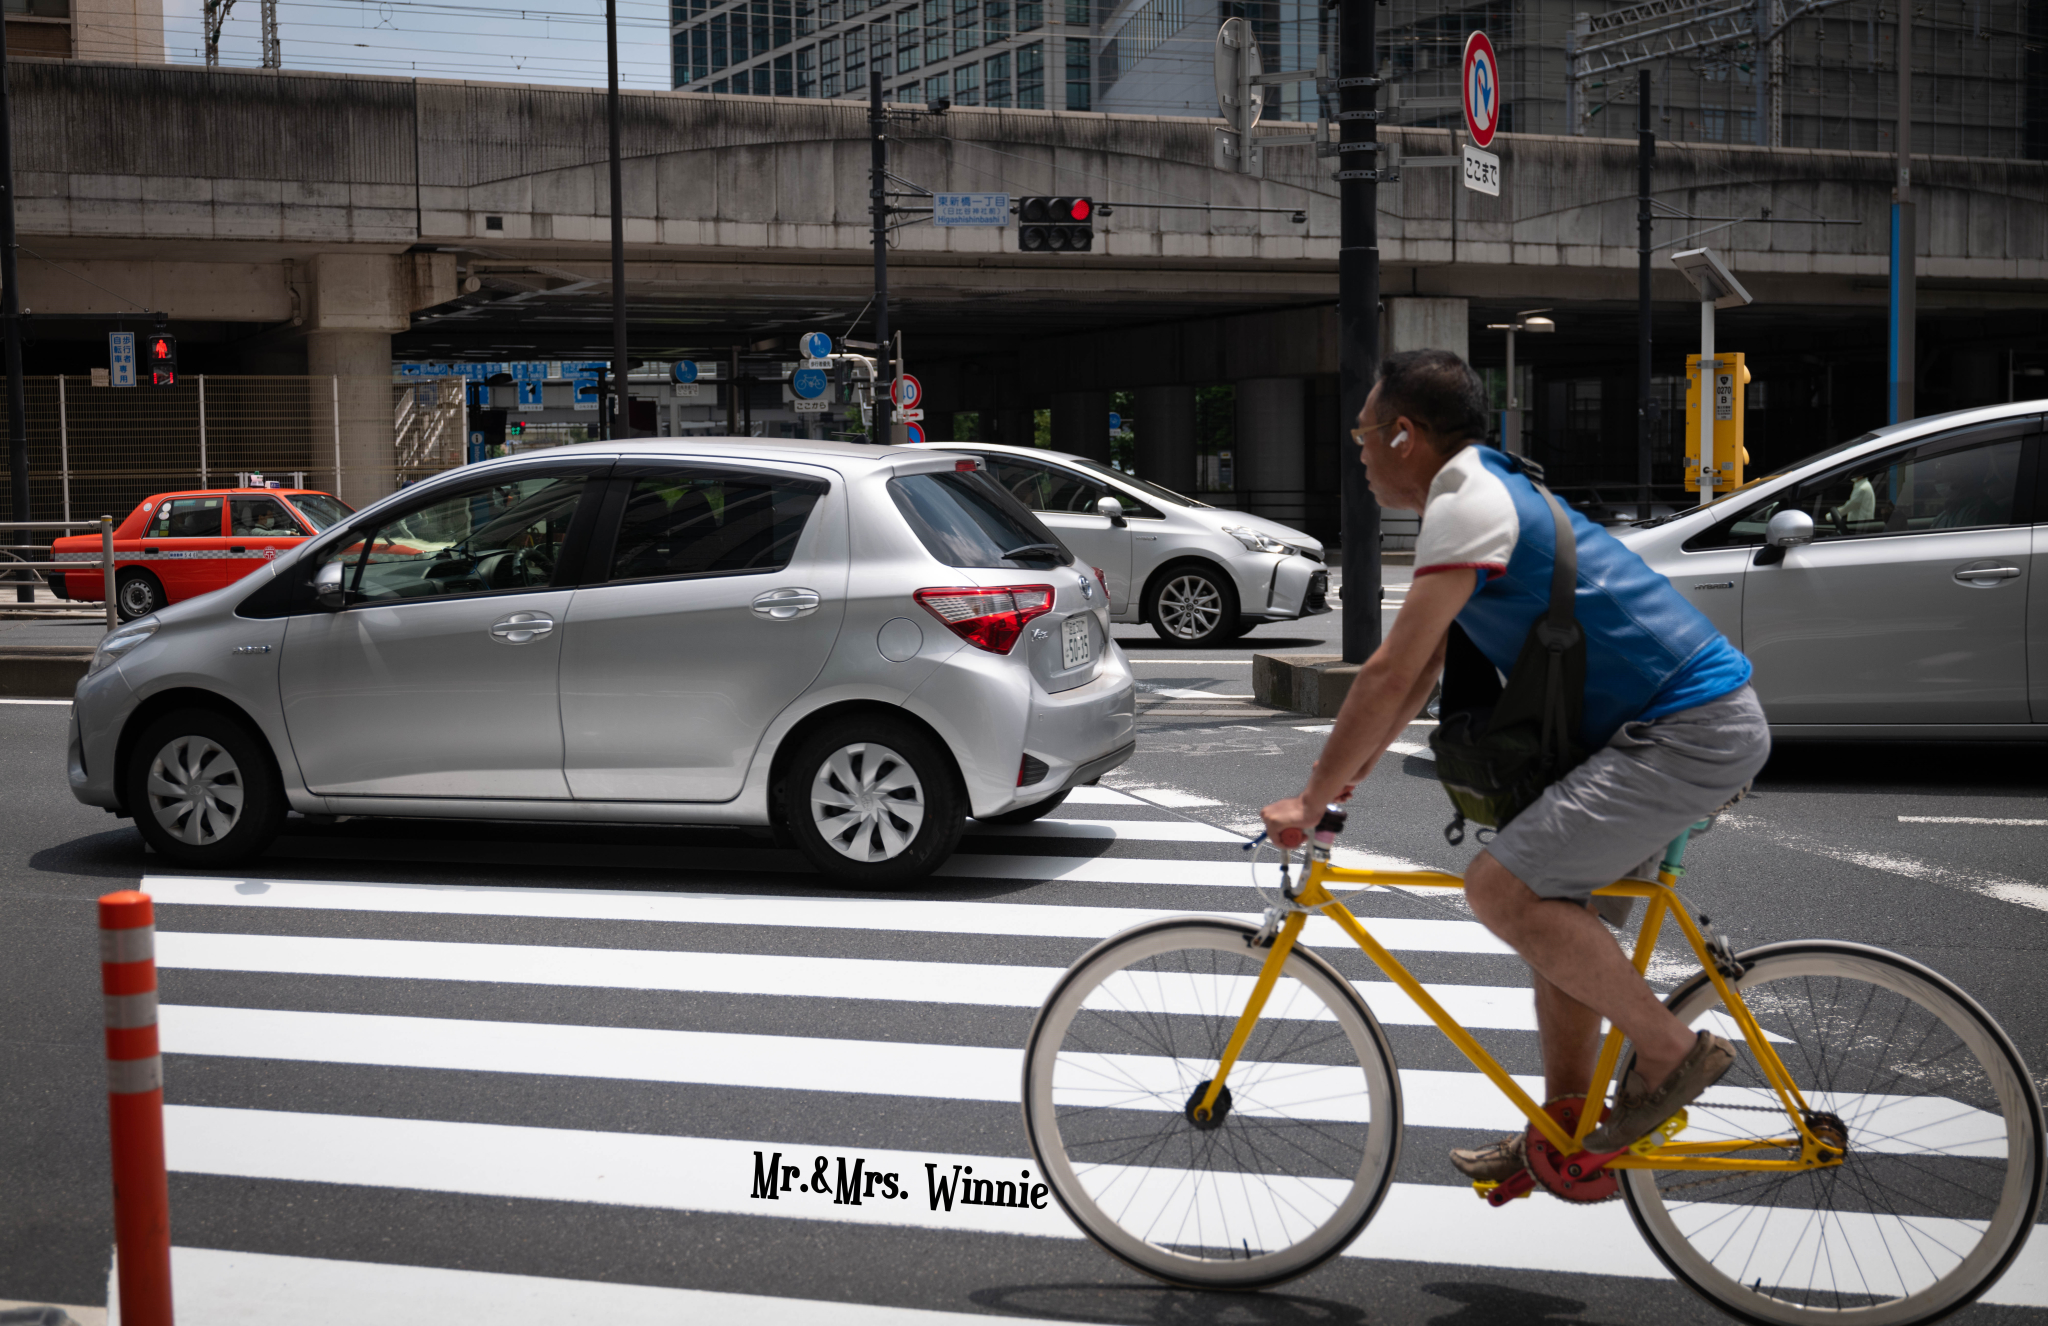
[{"x": 1633, "y": 796}]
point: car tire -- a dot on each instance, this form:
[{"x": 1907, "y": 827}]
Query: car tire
[
  {"x": 137, "y": 594},
  {"x": 1026, "y": 814},
  {"x": 204, "y": 789},
  {"x": 1192, "y": 605},
  {"x": 873, "y": 801}
]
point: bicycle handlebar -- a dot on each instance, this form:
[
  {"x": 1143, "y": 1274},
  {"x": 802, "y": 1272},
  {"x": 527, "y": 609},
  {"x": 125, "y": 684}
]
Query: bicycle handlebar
[{"x": 1326, "y": 830}]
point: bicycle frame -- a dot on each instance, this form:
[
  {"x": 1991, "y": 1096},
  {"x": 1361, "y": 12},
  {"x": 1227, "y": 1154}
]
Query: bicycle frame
[{"x": 1653, "y": 1152}]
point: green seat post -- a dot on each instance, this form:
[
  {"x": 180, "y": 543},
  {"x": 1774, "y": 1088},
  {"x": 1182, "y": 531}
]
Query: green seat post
[{"x": 1674, "y": 855}]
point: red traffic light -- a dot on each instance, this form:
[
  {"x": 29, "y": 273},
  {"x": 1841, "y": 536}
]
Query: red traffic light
[
  {"x": 1080, "y": 209},
  {"x": 160, "y": 361}
]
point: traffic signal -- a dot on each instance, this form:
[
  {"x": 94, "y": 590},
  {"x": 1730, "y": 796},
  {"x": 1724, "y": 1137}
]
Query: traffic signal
[
  {"x": 1726, "y": 402},
  {"x": 1055, "y": 225},
  {"x": 160, "y": 360}
]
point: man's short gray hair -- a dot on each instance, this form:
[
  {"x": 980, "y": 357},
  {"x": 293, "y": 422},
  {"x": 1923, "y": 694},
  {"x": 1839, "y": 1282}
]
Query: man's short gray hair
[{"x": 1438, "y": 390}]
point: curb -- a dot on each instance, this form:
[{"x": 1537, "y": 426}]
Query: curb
[
  {"x": 43, "y": 671},
  {"x": 1312, "y": 684}
]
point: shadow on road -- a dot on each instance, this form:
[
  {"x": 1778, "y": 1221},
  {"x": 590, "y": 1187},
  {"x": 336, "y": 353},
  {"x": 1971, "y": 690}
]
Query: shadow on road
[{"x": 1156, "y": 1305}]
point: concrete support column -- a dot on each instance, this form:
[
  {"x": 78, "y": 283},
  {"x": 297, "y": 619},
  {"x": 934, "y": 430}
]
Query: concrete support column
[
  {"x": 1166, "y": 436},
  {"x": 1080, "y": 424},
  {"x": 353, "y": 368},
  {"x": 1272, "y": 447},
  {"x": 1010, "y": 427},
  {"x": 1420, "y": 324}
]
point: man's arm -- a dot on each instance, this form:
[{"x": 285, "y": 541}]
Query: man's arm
[{"x": 1389, "y": 689}]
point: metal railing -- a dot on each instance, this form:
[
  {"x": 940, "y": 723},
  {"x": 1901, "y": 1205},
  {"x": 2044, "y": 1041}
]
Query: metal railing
[{"x": 23, "y": 573}]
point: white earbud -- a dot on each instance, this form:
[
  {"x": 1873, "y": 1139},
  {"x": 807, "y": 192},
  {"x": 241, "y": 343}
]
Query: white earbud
[{"x": 1399, "y": 440}]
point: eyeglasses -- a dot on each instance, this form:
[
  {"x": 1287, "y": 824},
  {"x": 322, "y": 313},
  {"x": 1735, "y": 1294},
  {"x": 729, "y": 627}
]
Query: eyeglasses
[{"x": 1358, "y": 434}]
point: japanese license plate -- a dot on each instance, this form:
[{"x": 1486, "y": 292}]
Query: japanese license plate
[{"x": 1076, "y": 647}]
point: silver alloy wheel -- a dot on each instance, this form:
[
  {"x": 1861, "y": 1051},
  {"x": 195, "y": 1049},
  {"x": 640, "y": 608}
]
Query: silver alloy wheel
[
  {"x": 1190, "y": 606},
  {"x": 195, "y": 790},
  {"x": 867, "y": 802},
  {"x": 135, "y": 597}
]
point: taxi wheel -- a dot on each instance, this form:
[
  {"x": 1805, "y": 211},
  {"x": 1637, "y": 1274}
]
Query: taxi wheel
[
  {"x": 204, "y": 789},
  {"x": 872, "y": 801},
  {"x": 137, "y": 594}
]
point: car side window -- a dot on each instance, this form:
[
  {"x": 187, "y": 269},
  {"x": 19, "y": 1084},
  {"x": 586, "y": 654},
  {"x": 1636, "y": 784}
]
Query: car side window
[
  {"x": 186, "y": 518},
  {"x": 1042, "y": 487},
  {"x": 1953, "y": 482},
  {"x": 262, "y": 518},
  {"x": 699, "y": 522},
  {"x": 493, "y": 537}
]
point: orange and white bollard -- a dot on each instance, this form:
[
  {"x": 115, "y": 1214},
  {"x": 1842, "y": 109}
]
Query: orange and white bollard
[{"x": 135, "y": 1108}]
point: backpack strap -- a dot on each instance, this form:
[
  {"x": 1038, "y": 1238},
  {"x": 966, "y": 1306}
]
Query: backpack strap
[{"x": 1559, "y": 631}]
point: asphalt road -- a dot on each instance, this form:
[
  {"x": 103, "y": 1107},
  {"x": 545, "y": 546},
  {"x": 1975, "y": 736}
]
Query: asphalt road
[{"x": 527, "y": 1084}]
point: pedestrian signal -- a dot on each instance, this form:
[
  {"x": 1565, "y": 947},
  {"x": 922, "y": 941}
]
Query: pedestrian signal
[
  {"x": 1055, "y": 225},
  {"x": 160, "y": 360},
  {"x": 1726, "y": 400}
]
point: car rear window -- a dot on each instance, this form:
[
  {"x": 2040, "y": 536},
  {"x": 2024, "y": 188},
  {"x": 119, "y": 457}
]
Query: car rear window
[{"x": 966, "y": 521}]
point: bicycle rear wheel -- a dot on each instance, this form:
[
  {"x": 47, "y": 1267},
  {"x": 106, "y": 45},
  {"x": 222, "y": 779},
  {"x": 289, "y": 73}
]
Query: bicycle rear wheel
[
  {"x": 1942, "y": 1178},
  {"x": 1304, "y": 1148}
]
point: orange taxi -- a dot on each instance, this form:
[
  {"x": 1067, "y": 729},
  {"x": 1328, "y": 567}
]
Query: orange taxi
[{"x": 179, "y": 545}]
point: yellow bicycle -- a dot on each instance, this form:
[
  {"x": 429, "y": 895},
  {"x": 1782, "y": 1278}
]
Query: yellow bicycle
[{"x": 1217, "y": 1106}]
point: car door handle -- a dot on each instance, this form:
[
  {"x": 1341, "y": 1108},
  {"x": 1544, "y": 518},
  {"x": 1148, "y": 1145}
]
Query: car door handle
[
  {"x": 1148, "y": 538},
  {"x": 783, "y": 604},
  {"x": 1985, "y": 577},
  {"x": 522, "y": 627},
  {"x": 236, "y": 547}
]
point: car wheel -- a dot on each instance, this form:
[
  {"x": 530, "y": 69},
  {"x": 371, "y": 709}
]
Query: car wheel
[
  {"x": 871, "y": 801},
  {"x": 203, "y": 789},
  {"x": 137, "y": 594},
  {"x": 1026, "y": 814},
  {"x": 1194, "y": 606}
]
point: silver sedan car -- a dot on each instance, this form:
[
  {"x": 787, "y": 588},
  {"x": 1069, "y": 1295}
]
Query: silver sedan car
[
  {"x": 859, "y": 646},
  {"x": 1202, "y": 575},
  {"x": 1890, "y": 587}
]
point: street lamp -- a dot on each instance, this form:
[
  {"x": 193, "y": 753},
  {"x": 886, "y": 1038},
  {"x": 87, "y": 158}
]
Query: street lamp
[
  {"x": 1718, "y": 289},
  {"x": 1528, "y": 320}
]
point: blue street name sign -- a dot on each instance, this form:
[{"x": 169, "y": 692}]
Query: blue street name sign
[
  {"x": 120, "y": 359},
  {"x": 970, "y": 209}
]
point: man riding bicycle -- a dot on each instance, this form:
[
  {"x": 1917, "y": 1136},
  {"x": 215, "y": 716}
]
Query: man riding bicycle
[{"x": 1674, "y": 730}]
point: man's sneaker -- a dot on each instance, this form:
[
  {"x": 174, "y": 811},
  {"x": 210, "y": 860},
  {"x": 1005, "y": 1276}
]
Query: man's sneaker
[
  {"x": 1638, "y": 1109},
  {"x": 1496, "y": 1162}
]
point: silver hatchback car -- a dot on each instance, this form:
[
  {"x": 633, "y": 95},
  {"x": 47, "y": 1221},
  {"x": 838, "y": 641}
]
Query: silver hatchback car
[
  {"x": 859, "y": 646},
  {"x": 1889, "y": 587}
]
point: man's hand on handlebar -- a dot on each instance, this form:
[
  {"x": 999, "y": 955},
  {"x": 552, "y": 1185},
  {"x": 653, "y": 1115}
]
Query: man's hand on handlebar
[{"x": 1288, "y": 822}]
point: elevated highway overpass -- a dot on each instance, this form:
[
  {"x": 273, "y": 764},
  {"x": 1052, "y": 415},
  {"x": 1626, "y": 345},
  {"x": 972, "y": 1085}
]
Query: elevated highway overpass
[{"x": 324, "y": 223}]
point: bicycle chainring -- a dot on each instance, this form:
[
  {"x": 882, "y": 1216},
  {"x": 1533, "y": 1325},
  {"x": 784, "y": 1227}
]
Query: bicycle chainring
[{"x": 1579, "y": 1178}]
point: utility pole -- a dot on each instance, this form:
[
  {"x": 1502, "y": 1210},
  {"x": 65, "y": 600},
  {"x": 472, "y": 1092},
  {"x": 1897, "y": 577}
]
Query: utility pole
[
  {"x": 622, "y": 420},
  {"x": 1905, "y": 302},
  {"x": 273, "y": 50},
  {"x": 213, "y": 17},
  {"x": 1358, "y": 316},
  {"x": 884, "y": 430},
  {"x": 10, "y": 314},
  {"x": 1646, "y": 409}
]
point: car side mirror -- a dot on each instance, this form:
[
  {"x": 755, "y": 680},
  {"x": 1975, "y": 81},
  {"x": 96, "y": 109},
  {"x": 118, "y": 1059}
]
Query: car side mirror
[
  {"x": 1787, "y": 529},
  {"x": 327, "y": 587},
  {"x": 1110, "y": 507}
]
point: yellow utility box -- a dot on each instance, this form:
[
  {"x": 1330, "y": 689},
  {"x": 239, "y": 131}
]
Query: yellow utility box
[{"x": 1727, "y": 396}]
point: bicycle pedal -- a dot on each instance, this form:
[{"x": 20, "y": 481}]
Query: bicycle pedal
[
  {"x": 1665, "y": 1131},
  {"x": 1501, "y": 1192}
]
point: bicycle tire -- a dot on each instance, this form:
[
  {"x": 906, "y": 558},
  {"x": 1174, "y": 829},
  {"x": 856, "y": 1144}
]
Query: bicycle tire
[
  {"x": 1297, "y": 1165},
  {"x": 1942, "y": 1179}
]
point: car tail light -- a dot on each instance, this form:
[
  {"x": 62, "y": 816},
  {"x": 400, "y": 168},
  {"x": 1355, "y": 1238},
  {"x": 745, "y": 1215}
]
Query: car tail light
[
  {"x": 966, "y": 466},
  {"x": 990, "y": 619}
]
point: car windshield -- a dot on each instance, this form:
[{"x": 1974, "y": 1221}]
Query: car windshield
[
  {"x": 320, "y": 510},
  {"x": 966, "y": 521},
  {"x": 1144, "y": 486}
]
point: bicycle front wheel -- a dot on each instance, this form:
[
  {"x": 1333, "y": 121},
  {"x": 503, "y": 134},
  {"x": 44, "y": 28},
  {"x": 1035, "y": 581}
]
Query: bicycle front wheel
[
  {"x": 1299, "y": 1153},
  {"x": 1943, "y": 1131}
]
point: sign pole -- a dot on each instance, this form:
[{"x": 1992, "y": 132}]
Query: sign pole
[
  {"x": 1905, "y": 246},
  {"x": 10, "y": 315},
  {"x": 884, "y": 430},
  {"x": 1646, "y": 415},
  {"x": 622, "y": 424},
  {"x": 1358, "y": 304}
]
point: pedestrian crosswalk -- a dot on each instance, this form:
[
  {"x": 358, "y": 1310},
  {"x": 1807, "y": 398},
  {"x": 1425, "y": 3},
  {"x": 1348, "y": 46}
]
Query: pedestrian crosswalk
[{"x": 374, "y": 1086}]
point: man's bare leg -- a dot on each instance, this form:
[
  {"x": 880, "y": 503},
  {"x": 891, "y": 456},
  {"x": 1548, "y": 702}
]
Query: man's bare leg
[
  {"x": 1570, "y": 1035},
  {"x": 1566, "y": 944}
]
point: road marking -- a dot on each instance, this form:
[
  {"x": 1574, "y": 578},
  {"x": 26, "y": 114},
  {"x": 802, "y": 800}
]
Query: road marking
[
  {"x": 1411, "y": 748},
  {"x": 1098, "y": 796},
  {"x": 926, "y": 916},
  {"x": 1969, "y": 819},
  {"x": 11, "y": 701},
  {"x": 1495, "y": 1007},
  {"x": 241, "y": 1287},
  {"x": 2003, "y": 888},
  {"x": 1419, "y": 1222},
  {"x": 1172, "y": 798},
  {"x": 1183, "y": 693},
  {"x": 1132, "y": 870},
  {"x": 1172, "y": 831}
]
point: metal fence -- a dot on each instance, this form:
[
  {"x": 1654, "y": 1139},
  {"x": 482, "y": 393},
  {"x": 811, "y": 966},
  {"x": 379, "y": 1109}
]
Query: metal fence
[{"x": 24, "y": 565}]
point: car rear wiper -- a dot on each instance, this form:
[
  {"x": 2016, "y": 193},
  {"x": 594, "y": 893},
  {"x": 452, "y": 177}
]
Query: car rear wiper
[{"x": 1049, "y": 549}]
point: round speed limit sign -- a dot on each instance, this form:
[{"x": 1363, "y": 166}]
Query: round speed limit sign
[{"x": 1482, "y": 89}]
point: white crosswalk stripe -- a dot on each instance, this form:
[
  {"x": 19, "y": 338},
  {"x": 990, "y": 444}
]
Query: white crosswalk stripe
[{"x": 451, "y": 959}]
